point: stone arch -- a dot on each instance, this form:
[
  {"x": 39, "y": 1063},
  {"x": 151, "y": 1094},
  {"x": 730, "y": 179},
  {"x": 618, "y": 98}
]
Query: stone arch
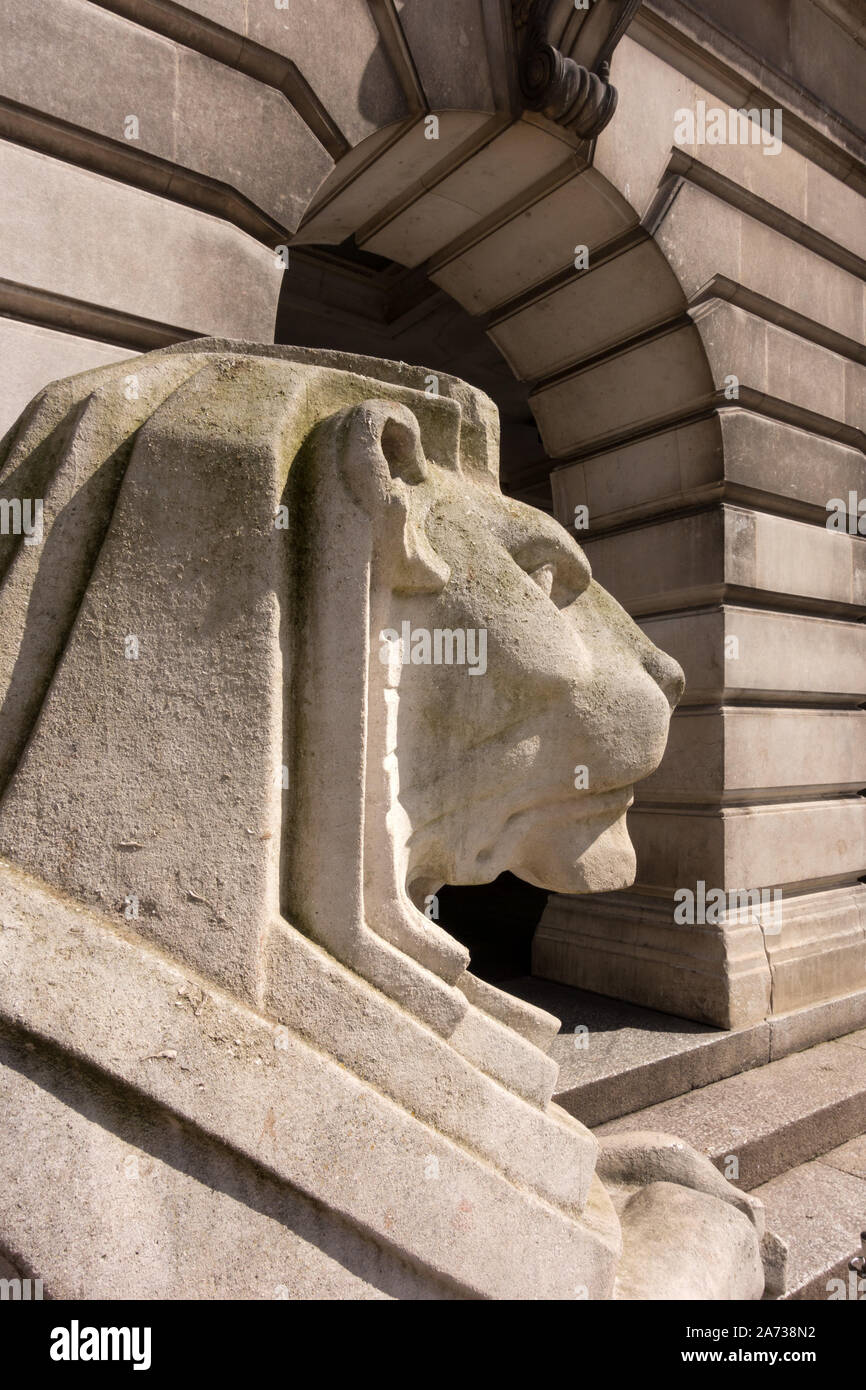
[
  {"x": 675, "y": 383},
  {"x": 603, "y": 340},
  {"x": 611, "y": 361}
]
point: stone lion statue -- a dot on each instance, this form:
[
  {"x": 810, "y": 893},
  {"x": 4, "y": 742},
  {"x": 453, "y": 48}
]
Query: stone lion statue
[{"x": 283, "y": 661}]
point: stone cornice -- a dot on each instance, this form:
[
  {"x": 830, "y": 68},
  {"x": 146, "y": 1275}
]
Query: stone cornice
[{"x": 681, "y": 34}]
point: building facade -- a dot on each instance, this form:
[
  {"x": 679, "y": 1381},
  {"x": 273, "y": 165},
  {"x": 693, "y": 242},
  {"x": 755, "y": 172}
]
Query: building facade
[{"x": 667, "y": 303}]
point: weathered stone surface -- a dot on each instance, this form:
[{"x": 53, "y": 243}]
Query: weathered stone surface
[
  {"x": 584, "y": 211},
  {"x": 821, "y": 950},
  {"x": 333, "y": 46},
  {"x": 704, "y": 238},
  {"x": 310, "y": 993},
  {"x": 95, "y": 240},
  {"x": 624, "y": 296},
  {"x": 256, "y": 398},
  {"x": 779, "y": 655},
  {"x": 638, "y": 1158},
  {"x": 802, "y": 1028},
  {"x": 731, "y": 553},
  {"x": 634, "y": 151},
  {"x": 628, "y": 945},
  {"x": 31, "y": 356},
  {"x": 350, "y": 74},
  {"x": 738, "y": 753},
  {"x": 770, "y": 1119},
  {"x": 346, "y": 200},
  {"x": 676, "y": 1211},
  {"x": 806, "y": 378},
  {"x": 181, "y": 100},
  {"x": 48, "y": 56},
  {"x": 817, "y": 1208},
  {"x": 677, "y": 372},
  {"x": 793, "y": 843},
  {"x": 775, "y": 238},
  {"x": 735, "y": 453},
  {"x": 733, "y": 975},
  {"x": 638, "y": 386},
  {"x": 616, "y": 1057},
  {"x": 151, "y": 1209},
  {"x": 451, "y": 50},
  {"x": 671, "y": 1237},
  {"x": 253, "y": 151},
  {"x": 183, "y": 1051},
  {"x": 505, "y": 168}
]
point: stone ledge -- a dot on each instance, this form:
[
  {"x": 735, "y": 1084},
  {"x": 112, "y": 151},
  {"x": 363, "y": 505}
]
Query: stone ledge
[
  {"x": 772, "y": 1118},
  {"x": 636, "y": 1056},
  {"x": 158, "y": 261},
  {"x": 178, "y": 1215},
  {"x": 817, "y": 1208}
]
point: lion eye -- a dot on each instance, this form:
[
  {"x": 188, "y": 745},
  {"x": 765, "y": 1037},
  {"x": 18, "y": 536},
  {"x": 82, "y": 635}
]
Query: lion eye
[{"x": 560, "y": 571}]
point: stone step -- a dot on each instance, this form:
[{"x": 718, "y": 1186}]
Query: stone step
[
  {"x": 819, "y": 1210},
  {"x": 770, "y": 1119},
  {"x": 615, "y": 1058},
  {"x": 795, "y": 1124}
]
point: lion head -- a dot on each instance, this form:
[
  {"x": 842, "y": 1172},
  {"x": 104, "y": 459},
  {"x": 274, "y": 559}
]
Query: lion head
[{"x": 287, "y": 654}]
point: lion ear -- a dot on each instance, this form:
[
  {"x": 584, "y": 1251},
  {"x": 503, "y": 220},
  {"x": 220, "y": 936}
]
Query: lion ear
[
  {"x": 400, "y": 442},
  {"x": 383, "y": 465},
  {"x": 380, "y": 452}
]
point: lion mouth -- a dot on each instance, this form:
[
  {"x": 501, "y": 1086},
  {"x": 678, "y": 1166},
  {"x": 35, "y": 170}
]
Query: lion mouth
[
  {"x": 596, "y": 812},
  {"x": 582, "y": 806}
]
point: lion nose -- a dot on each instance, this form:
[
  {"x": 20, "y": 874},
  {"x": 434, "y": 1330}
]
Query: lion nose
[{"x": 667, "y": 674}]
